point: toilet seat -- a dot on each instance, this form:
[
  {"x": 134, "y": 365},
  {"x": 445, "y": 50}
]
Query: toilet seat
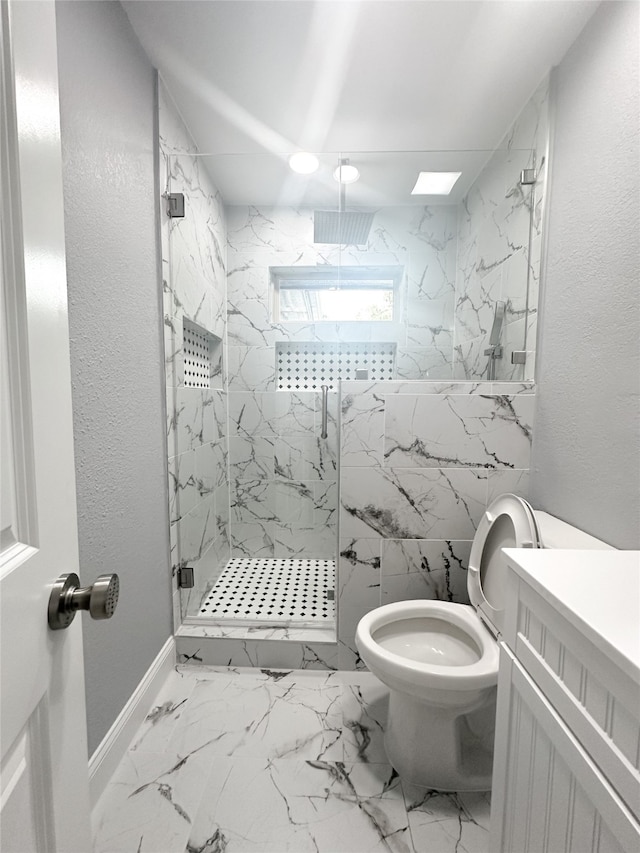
[
  {"x": 509, "y": 522},
  {"x": 421, "y": 678}
]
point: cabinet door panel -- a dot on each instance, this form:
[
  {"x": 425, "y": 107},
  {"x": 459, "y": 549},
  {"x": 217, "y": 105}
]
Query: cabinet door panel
[{"x": 549, "y": 795}]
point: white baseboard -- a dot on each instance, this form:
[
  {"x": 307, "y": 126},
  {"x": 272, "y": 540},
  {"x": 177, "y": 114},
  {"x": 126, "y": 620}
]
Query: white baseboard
[{"x": 115, "y": 743}]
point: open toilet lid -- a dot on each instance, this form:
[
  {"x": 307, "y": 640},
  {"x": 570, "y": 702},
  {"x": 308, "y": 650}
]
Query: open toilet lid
[{"x": 509, "y": 522}]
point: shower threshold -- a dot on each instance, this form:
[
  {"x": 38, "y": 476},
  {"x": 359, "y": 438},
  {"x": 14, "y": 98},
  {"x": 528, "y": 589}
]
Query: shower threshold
[{"x": 267, "y": 592}]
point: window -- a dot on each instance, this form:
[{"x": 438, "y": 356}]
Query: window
[{"x": 327, "y": 293}]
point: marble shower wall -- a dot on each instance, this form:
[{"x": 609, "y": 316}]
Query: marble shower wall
[
  {"x": 419, "y": 463},
  {"x": 194, "y": 287},
  {"x": 283, "y": 476},
  {"x": 420, "y": 239},
  {"x": 499, "y": 249}
]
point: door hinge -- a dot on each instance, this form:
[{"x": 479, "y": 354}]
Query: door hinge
[
  {"x": 185, "y": 578},
  {"x": 176, "y": 205}
]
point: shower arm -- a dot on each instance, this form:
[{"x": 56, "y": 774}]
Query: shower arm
[{"x": 342, "y": 196}]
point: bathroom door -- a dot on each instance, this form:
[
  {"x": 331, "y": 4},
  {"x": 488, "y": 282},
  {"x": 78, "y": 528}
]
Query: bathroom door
[{"x": 44, "y": 802}]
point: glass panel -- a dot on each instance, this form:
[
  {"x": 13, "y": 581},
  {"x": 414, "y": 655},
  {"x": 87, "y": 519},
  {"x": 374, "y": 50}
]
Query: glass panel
[{"x": 446, "y": 284}]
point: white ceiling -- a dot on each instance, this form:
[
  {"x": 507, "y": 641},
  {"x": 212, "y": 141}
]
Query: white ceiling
[{"x": 273, "y": 76}]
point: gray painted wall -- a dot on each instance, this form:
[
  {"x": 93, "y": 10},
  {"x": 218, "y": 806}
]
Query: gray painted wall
[
  {"x": 586, "y": 450},
  {"x": 108, "y": 113}
]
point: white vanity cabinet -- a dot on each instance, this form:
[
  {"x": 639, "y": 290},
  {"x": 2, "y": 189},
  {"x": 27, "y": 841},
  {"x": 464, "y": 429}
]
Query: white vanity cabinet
[{"x": 567, "y": 754}]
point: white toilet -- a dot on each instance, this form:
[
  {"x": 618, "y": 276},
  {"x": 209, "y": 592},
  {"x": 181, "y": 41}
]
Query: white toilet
[{"x": 440, "y": 659}]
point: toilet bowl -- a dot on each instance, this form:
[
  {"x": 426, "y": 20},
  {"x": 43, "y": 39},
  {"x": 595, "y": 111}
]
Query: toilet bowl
[{"x": 440, "y": 659}]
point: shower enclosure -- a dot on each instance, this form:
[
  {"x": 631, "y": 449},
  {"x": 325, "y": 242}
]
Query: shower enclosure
[{"x": 263, "y": 322}]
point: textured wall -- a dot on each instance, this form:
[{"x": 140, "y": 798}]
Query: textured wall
[
  {"x": 586, "y": 453},
  {"x": 107, "y": 94}
]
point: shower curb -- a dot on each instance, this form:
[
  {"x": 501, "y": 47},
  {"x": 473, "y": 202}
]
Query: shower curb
[{"x": 278, "y": 654}]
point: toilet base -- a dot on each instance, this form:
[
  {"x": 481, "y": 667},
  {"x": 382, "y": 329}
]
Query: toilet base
[{"x": 443, "y": 749}]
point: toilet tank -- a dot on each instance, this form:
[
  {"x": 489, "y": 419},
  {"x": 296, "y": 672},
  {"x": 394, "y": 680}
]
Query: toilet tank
[{"x": 558, "y": 534}]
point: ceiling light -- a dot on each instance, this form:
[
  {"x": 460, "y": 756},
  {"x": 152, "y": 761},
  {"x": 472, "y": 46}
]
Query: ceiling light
[
  {"x": 304, "y": 163},
  {"x": 346, "y": 174},
  {"x": 435, "y": 183}
]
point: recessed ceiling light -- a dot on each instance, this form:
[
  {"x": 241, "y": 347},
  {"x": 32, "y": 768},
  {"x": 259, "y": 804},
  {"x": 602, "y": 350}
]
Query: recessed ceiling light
[
  {"x": 435, "y": 183},
  {"x": 304, "y": 163},
  {"x": 346, "y": 174}
]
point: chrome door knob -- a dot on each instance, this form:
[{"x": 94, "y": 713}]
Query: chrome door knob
[{"x": 67, "y": 597}]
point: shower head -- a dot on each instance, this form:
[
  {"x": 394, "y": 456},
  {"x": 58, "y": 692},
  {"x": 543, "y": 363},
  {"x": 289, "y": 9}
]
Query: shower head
[{"x": 349, "y": 228}]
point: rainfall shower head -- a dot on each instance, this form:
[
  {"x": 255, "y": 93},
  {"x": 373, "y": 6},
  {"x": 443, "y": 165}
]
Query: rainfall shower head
[
  {"x": 350, "y": 228},
  {"x": 341, "y": 227}
]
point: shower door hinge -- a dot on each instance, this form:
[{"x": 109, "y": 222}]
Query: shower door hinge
[
  {"x": 185, "y": 578},
  {"x": 528, "y": 176},
  {"x": 519, "y": 357},
  {"x": 176, "y": 205}
]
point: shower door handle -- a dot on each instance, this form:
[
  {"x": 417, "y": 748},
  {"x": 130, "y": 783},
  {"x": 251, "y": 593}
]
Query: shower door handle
[{"x": 325, "y": 392}]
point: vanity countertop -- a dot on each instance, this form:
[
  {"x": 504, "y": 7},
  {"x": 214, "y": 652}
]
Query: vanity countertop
[{"x": 596, "y": 591}]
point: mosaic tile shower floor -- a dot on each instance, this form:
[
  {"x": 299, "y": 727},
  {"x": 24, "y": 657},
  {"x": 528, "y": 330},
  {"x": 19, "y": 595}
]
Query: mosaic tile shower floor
[
  {"x": 240, "y": 760},
  {"x": 277, "y": 591}
]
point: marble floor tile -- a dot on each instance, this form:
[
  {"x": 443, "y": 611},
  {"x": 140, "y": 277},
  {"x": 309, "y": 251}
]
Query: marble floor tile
[
  {"x": 162, "y": 719},
  {"x": 364, "y": 715},
  {"x": 271, "y": 807},
  {"x": 270, "y": 718},
  {"x": 235, "y": 760},
  {"x": 448, "y": 822},
  {"x": 151, "y": 801}
]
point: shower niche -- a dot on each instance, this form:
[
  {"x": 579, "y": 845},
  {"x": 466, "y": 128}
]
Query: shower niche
[
  {"x": 308, "y": 365},
  {"x": 202, "y": 356}
]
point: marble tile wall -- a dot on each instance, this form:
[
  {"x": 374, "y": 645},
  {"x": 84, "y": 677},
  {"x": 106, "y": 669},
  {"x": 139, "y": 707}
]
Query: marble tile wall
[
  {"x": 499, "y": 249},
  {"x": 419, "y": 463},
  {"x": 283, "y": 476},
  {"x": 420, "y": 239},
  {"x": 194, "y": 287},
  {"x": 284, "y": 492}
]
